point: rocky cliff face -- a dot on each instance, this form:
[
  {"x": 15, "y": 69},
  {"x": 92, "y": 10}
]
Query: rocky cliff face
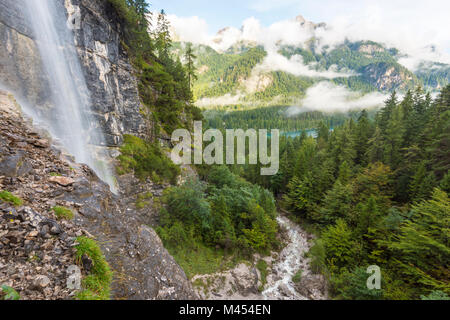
[
  {"x": 33, "y": 169},
  {"x": 109, "y": 75},
  {"x": 20, "y": 64},
  {"x": 386, "y": 77},
  {"x": 143, "y": 269}
]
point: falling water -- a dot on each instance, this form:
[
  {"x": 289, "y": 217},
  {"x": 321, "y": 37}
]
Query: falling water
[{"x": 70, "y": 120}]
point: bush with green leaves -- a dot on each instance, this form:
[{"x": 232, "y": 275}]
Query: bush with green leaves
[
  {"x": 353, "y": 286},
  {"x": 9, "y": 293},
  {"x": 145, "y": 160},
  {"x": 436, "y": 295},
  {"x": 262, "y": 267}
]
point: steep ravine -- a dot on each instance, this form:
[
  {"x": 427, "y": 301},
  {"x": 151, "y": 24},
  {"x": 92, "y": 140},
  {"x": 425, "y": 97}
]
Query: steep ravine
[{"x": 244, "y": 281}]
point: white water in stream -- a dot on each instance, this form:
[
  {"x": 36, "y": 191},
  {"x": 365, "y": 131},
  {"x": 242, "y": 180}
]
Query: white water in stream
[
  {"x": 291, "y": 259},
  {"x": 70, "y": 119}
]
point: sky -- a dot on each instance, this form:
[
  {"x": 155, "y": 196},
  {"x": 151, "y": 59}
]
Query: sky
[{"x": 414, "y": 21}]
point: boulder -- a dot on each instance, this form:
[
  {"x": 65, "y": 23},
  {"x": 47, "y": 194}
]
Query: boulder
[{"x": 62, "y": 181}]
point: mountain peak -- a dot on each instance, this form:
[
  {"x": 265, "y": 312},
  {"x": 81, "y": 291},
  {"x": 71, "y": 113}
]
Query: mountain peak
[
  {"x": 305, "y": 23},
  {"x": 300, "y": 19}
]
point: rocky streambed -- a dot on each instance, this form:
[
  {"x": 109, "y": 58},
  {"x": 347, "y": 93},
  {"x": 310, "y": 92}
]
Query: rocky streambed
[{"x": 245, "y": 281}]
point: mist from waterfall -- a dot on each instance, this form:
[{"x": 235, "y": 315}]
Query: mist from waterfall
[{"x": 70, "y": 119}]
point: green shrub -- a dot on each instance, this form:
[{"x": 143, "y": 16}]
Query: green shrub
[
  {"x": 297, "y": 276},
  {"x": 9, "y": 293},
  {"x": 141, "y": 201},
  {"x": 146, "y": 160},
  {"x": 63, "y": 213},
  {"x": 9, "y": 197},
  {"x": 317, "y": 254},
  {"x": 353, "y": 285},
  {"x": 202, "y": 259},
  {"x": 96, "y": 285},
  {"x": 436, "y": 295},
  {"x": 262, "y": 267}
]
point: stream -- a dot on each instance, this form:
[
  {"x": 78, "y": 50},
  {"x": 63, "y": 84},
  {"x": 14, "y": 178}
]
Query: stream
[
  {"x": 291, "y": 259},
  {"x": 244, "y": 281}
]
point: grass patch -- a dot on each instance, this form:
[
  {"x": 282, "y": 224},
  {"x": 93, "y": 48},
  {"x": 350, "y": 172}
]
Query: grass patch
[
  {"x": 55, "y": 174},
  {"x": 10, "y": 198},
  {"x": 63, "y": 213},
  {"x": 298, "y": 276},
  {"x": 262, "y": 267},
  {"x": 96, "y": 285}
]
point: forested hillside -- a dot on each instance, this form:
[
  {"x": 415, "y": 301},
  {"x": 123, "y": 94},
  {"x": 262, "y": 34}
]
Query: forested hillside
[
  {"x": 365, "y": 66},
  {"x": 376, "y": 193},
  {"x": 373, "y": 187},
  {"x": 276, "y": 118},
  {"x": 163, "y": 79}
]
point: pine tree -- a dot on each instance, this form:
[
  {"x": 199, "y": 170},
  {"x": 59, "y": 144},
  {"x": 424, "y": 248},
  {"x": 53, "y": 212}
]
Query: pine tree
[
  {"x": 394, "y": 134},
  {"x": 386, "y": 112},
  {"x": 422, "y": 183},
  {"x": 438, "y": 134},
  {"x": 189, "y": 58},
  {"x": 337, "y": 203},
  {"x": 343, "y": 147},
  {"x": 363, "y": 132},
  {"x": 422, "y": 249},
  {"x": 445, "y": 183},
  {"x": 375, "y": 151},
  {"x": 344, "y": 173},
  {"x": 163, "y": 38}
]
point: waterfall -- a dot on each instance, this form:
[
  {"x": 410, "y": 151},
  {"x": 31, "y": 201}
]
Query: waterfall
[{"x": 70, "y": 119}]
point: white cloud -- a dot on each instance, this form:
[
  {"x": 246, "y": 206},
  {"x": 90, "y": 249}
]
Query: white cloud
[
  {"x": 327, "y": 97},
  {"x": 224, "y": 100},
  {"x": 189, "y": 29},
  {"x": 419, "y": 29},
  {"x": 289, "y": 32},
  {"x": 295, "y": 65}
]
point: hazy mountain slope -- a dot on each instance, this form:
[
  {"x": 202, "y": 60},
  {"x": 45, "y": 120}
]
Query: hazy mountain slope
[{"x": 275, "y": 72}]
